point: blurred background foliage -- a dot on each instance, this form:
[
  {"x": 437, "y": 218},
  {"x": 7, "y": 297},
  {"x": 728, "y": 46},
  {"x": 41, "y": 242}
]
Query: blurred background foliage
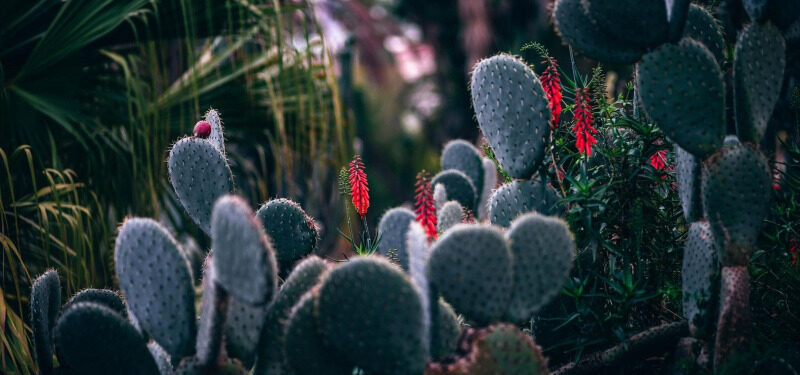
[{"x": 93, "y": 93}]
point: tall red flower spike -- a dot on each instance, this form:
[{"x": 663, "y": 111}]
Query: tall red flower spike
[
  {"x": 551, "y": 83},
  {"x": 424, "y": 205},
  {"x": 659, "y": 159},
  {"x": 359, "y": 189},
  {"x": 584, "y": 119}
]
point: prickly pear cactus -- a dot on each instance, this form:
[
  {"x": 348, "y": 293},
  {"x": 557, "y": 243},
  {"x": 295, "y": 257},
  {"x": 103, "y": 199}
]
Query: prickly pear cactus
[
  {"x": 686, "y": 100},
  {"x": 642, "y": 23},
  {"x": 439, "y": 196},
  {"x": 733, "y": 325},
  {"x": 489, "y": 184},
  {"x": 687, "y": 176},
  {"x": 702, "y": 27},
  {"x": 392, "y": 228},
  {"x": 518, "y": 197},
  {"x": 758, "y": 64},
  {"x": 305, "y": 351},
  {"x": 242, "y": 331},
  {"x": 458, "y": 186},
  {"x": 159, "y": 293},
  {"x": 105, "y": 297},
  {"x": 449, "y": 215},
  {"x": 293, "y": 233},
  {"x": 517, "y": 127},
  {"x": 217, "y": 137},
  {"x": 45, "y": 305},
  {"x": 463, "y": 156},
  {"x": 700, "y": 275},
  {"x": 448, "y": 332}
]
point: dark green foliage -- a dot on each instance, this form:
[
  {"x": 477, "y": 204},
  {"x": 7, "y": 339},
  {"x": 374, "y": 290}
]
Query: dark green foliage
[
  {"x": 781, "y": 12},
  {"x": 687, "y": 176},
  {"x": 582, "y": 33},
  {"x": 449, "y": 332},
  {"x": 94, "y": 340},
  {"x": 271, "y": 356},
  {"x": 105, "y": 297},
  {"x": 458, "y": 187},
  {"x": 758, "y": 64},
  {"x": 305, "y": 351},
  {"x": 243, "y": 257},
  {"x": 734, "y": 325},
  {"x": 471, "y": 266},
  {"x": 542, "y": 248},
  {"x": 518, "y": 197},
  {"x": 449, "y": 215},
  {"x": 45, "y": 305},
  {"x": 700, "y": 275},
  {"x": 155, "y": 279},
  {"x": 463, "y": 156},
  {"x": 702, "y": 27},
  {"x": 200, "y": 175},
  {"x": 517, "y": 127},
  {"x": 372, "y": 315},
  {"x": 642, "y": 23},
  {"x": 736, "y": 199},
  {"x": 293, "y": 233},
  {"x": 392, "y": 229},
  {"x": 756, "y": 9},
  {"x": 680, "y": 86}
]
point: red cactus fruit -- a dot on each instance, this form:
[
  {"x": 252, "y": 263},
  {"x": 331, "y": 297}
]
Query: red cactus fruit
[
  {"x": 425, "y": 207},
  {"x": 202, "y": 129},
  {"x": 359, "y": 189}
]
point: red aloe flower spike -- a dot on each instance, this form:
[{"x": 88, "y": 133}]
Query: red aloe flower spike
[
  {"x": 659, "y": 159},
  {"x": 551, "y": 83},
  {"x": 424, "y": 205},
  {"x": 584, "y": 119},
  {"x": 359, "y": 189}
]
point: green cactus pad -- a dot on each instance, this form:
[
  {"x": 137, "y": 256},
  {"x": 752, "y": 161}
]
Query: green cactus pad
[
  {"x": 579, "y": 31},
  {"x": 458, "y": 187},
  {"x": 439, "y": 196},
  {"x": 216, "y": 137},
  {"x": 213, "y": 313},
  {"x": 161, "y": 357},
  {"x": 758, "y": 64},
  {"x": 105, "y": 297},
  {"x": 756, "y": 9},
  {"x": 504, "y": 349},
  {"x": 687, "y": 175},
  {"x": 463, "y": 156},
  {"x": 417, "y": 246},
  {"x": 680, "y": 86},
  {"x": 733, "y": 324},
  {"x": 518, "y": 197},
  {"x": 642, "y": 23},
  {"x": 243, "y": 257},
  {"x": 293, "y": 233},
  {"x": 45, "y": 305},
  {"x": 677, "y": 13},
  {"x": 371, "y": 313},
  {"x": 449, "y": 215},
  {"x": 702, "y": 27},
  {"x": 192, "y": 366},
  {"x": 93, "y": 339},
  {"x": 449, "y": 332},
  {"x": 543, "y": 249},
  {"x": 471, "y": 266},
  {"x": 699, "y": 274},
  {"x": 736, "y": 186},
  {"x": 243, "y": 330},
  {"x": 157, "y": 284},
  {"x": 305, "y": 351},
  {"x": 271, "y": 356},
  {"x": 489, "y": 184},
  {"x": 199, "y": 174},
  {"x": 513, "y": 113},
  {"x": 392, "y": 229}
]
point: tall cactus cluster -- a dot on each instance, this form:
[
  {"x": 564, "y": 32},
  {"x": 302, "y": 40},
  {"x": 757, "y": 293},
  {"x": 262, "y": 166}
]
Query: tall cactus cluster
[{"x": 724, "y": 183}]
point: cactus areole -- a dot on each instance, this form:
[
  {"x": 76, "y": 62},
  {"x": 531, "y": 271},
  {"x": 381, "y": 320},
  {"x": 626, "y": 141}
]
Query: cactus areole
[{"x": 202, "y": 129}]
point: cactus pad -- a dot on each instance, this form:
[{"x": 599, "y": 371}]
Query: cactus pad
[
  {"x": 271, "y": 356},
  {"x": 105, "y": 297},
  {"x": 518, "y": 197},
  {"x": 216, "y": 138},
  {"x": 758, "y": 64},
  {"x": 680, "y": 86},
  {"x": 417, "y": 245},
  {"x": 449, "y": 332},
  {"x": 372, "y": 315},
  {"x": 513, "y": 113},
  {"x": 192, "y": 366},
  {"x": 292, "y": 231},
  {"x": 243, "y": 330},
  {"x": 699, "y": 273},
  {"x": 543, "y": 249},
  {"x": 243, "y": 257},
  {"x": 702, "y": 27},
  {"x": 471, "y": 266},
  {"x": 305, "y": 351},
  {"x": 580, "y": 31},
  {"x": 687, "y": 176},
  {"x": 92, "y": 339},
  {"x": 463, "y": 156},
  {"x": 199, "y": 174},
  {"x": 155, "y": 279},
  {"x": 213, "y": 311},
  {"x": 733, "y": 325},
  {"x": 489, "y": 184},
  {"x": 449, "y": 215},
  {"x": 45, "y": 305},
  {"x": 504, "y": 349},
  {"x": 736, "y": 189},
  {"x": 439, "y": 196},
  {"x": 458, "y": 187},
  {"x": 642, "y": 23},
  {"x": 392, "y": 228},
  {"x": 162, "y": 358},
  {"x": 756, "y": 9}
]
